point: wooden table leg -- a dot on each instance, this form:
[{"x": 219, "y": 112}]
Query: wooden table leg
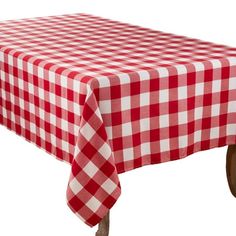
[
  {"x": 231, "y": 168},
  {"x": 103, "y": 227}
]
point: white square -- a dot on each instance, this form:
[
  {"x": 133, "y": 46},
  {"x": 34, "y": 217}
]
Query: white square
[
  {"x": 42, "y": 134},
  {"x": 31, "y": 108},
  {"x": 145, "y": 124},
  {"x": 216, "y": 86},
  {"x": 199, "y": 89},
  {"x": 181, "y": 69},
  {"x": 103, "y": 82},
  {"x": 3, "y": 94},
  {"x": 198, "y": 66},
  {"x": 105, "y": 107},
  {"x": 30, "y": 68},
  {"x": 183, "y": 117},
  {"x": 163, "y": 72},
  {"x": 128, "y": 154},
  {"x": 182, "y": 92},
  {"x": 232, "y": 83},
  {"x": 31, "y": 88},
  {"x": 90, "y": 169},
  {"x": 125, "y": 103},
  {"x": 41, "y": 113},
  {"x": 215, "y": 110},
  {"x": 22, "y": 104},
  {"x": 52, "y": 98},
  {"x": 216, "y": 63},
  {"x": 40, "y": 72},
  {"x": 164, "y": 95},
  {"x": 144, "y": 75},
  {"x": 127, "y": 129},
  {"x": 124, "y": 78},
  {"x": 109, "y": 131},
  {"x": 33, "y": 128},
  {"x": 53, "y": 139},
  {"x": 109, "y": 186},
  {"x": 232, "y": 61},
  {"x": 164, "y": 121},
  {"x": 64, "y": 81},
  {"x": 87, "y": 131},
  {"x": 231, "y": 129},
  {"x": 20, "y": 84},
  {"x": 93, "y": 204},
  {"x": 232, "y": 106},
  {"x": 41, "y": 93},
  {"x": 105, "y": 151},
  {"x": 65, "y": 146},
  {"x": 164, "y": 145},
  {"x": 12, "y": 98},
  {"x": 183, "y": 141},
  {"x": 13, "y": 117},
  {"x": 20, "y": 64},
  {"x": 64, "y": 103},
  {"x": 197, "y": 136},
  {"x": 10, "y": 60},
  {"x": 64, "y": 125},
  {"x": 52, "y": 119},
  {"x": 75, "y": 186},
  {"x": 2, "y": 76},
  {"x": 1, "y": 56},
  {"x": 145, "y": 149},
  {"x": 214, "y": 132},
  {"x": 144, "y": 99},
  {"x": 4, "y": 113},
  {"x": 11, "y": 79},
  {"x": 198, "y": 113},
  {"x": 52, "y": 77}
]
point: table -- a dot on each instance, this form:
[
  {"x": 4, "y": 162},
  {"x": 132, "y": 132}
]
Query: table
[{"x": 108, "y": 97}]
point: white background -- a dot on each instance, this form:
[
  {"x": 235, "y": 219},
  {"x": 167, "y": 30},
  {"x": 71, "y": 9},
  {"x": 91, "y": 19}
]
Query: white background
[{"x": 189, "y": 197}]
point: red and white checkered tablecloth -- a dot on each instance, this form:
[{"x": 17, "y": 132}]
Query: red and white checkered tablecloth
[{"x": 108, "y": 97}]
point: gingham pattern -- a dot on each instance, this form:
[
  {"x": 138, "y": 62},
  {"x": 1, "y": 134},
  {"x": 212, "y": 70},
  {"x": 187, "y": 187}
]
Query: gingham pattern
[{"x": 108, "y": 97}]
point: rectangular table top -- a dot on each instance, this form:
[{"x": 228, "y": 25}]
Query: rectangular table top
[{"x": 108, "y": 97}]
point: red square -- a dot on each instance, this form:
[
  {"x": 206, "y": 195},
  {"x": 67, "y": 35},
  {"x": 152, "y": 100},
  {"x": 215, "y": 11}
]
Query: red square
[
  {"x": 136, "y": 139},
  {"x": 225, "y": 73},
  {"x": 173, "y": 81},
  {"x": 174, "y": 131},
  {"x": 173, "y": 107},
  {"x": 206, "y": 123},
  {"x": 154, "y": 135},
  {"x": 117, "y": 144},
  {"x": 116, "y": 118},
  {"x": 207, "y": 99},
  {"x": 93, "y": 220},
  {"x": 89, "y": 150},
  {"x": 191, "y": 78},
  {"x": 115, "y": 92},
  {"x": 154, "y": 110},
  {"x": 208, "y": 75},
  {"x": 135, "y": 114},
  {"x": 191, "y": 103},
  {"x": 191, "y": 127},
  {"x": 92, "y": 187},
  {"x": 135, "y": 88},
  {"x": 76, "y": 204},
  {"x": 107, "y": 169},
  {"x": 224, "y": 96}
]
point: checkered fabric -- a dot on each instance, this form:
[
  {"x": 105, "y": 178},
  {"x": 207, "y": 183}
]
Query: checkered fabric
[{"x": 108, "y": 97}]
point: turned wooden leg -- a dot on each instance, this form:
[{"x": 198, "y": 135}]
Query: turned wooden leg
[
  {"x": 231, "y": 168},
  {"x": 103, "y": 227}
]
